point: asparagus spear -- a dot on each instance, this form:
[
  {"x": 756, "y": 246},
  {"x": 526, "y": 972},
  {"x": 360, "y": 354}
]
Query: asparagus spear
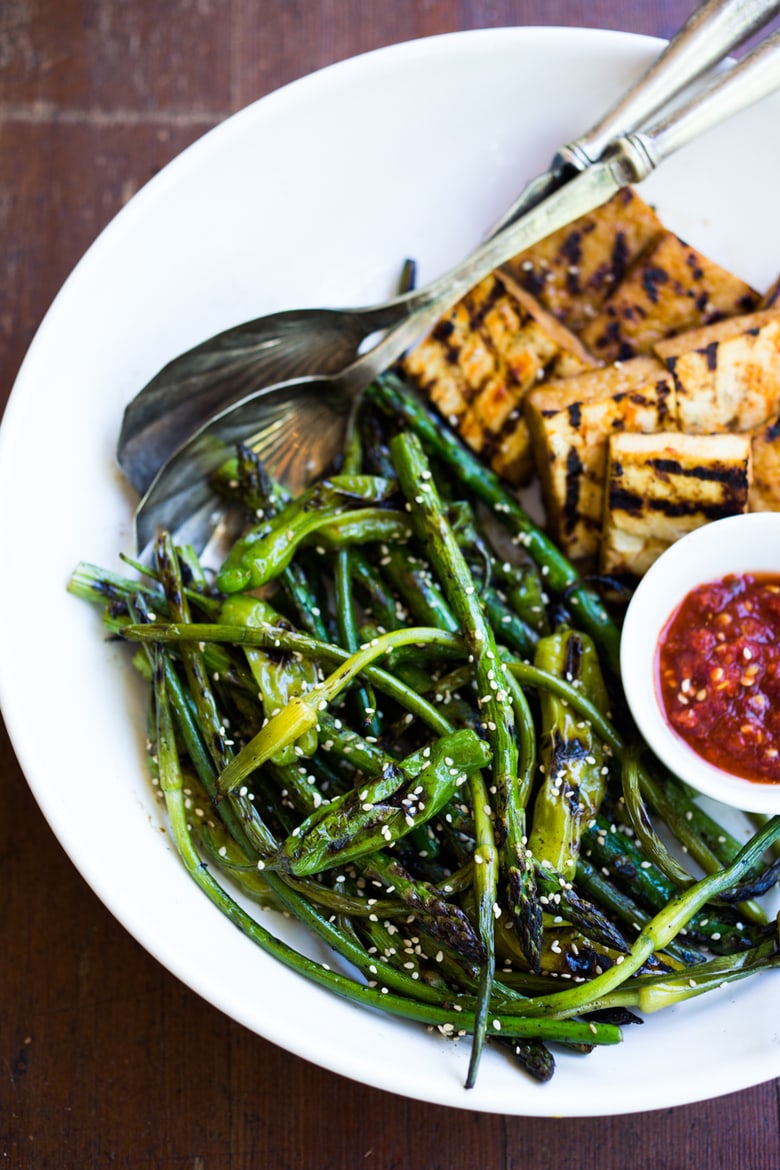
[
  {"x": 502, "y": 817},
  {"x": 661, "y": 929},
  {"x": 397, "y": 399}
]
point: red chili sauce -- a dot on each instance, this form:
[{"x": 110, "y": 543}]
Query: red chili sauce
[{"x": 719, "y": 674}]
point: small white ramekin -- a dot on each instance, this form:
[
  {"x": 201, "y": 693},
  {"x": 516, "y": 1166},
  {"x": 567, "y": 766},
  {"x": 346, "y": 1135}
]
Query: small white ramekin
[{"x": 737, "y": 544}]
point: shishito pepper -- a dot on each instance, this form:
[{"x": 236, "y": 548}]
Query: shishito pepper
[
  {"x": 385, "y": 808},
  {"x": 571, "y": 755},
  {"x": 279, "y": 675},
  {"x": 343, "y": 509}
]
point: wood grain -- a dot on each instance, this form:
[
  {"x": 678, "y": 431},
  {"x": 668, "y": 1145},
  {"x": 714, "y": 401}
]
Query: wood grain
[{"x": 105, "y": 1058}]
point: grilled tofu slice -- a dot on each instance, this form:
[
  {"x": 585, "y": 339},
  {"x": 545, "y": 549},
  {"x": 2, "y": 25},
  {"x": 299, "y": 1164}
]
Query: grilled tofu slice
[
  {"x": 570, "y": 423},
  {"x": 671, "y": 288},
  {"x": 482, "y": 358},
  {"x": 765, "y": 456},
  {"x": 572, "y": 271},
  {"x": 727, "y": 375},
  {"x": 661, "y": 486}
]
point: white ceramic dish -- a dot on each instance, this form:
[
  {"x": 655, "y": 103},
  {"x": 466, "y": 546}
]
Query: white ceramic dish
[
  {"x": 315, "y": 195},
  {"x": 738, "y": 544}
]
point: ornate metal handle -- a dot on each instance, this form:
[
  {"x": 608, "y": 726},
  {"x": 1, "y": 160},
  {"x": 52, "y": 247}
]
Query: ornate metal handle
[
  {"x": 754, "y": 77},
  {"x": 709, "y": 35}
]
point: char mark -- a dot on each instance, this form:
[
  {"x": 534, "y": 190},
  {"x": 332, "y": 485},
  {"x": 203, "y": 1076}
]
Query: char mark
[
  {"x": 633, "y": 505},
  {"x": 732, "y": 477},
  {"x": 711, "y": 355},
  {"x": 572, "y": 496},
  {"x": 652, "y": 278},
  {"x": 619, "y": 257},
  {"x": 477, "y": 313}
]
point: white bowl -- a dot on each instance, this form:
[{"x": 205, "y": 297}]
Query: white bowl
[
  {"x": 738, "y": 544},
  {"x": 315, "y": 196}
]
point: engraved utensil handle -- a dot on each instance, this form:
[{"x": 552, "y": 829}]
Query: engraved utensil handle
[
  {"x": 753, "y": 78},
  {"x": 713, "y": 31},
  {"x": 708, "y": 36}
]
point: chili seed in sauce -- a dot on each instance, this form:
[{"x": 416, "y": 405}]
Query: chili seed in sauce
[{"x": 718, "y": 674}]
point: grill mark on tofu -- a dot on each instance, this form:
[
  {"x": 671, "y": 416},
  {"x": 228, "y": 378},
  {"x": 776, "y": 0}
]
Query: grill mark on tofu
[
  {"x": 730, "y": 477},
  {"x": 573, "y": 270},
  {"x": 727, "y": 375},
  {"x": 444, "y": 330},
  {"x": 623, "y": 501},
  {"x": 668, "y": 289},
  {"x": 661, "y": 486},
  {"x": 711, "y": 355},
  {"x": 627, "y": 501},
  {"x": 479, "y": 361},
  {"x": 572, "y": 250},
  {"x": 619, "y": 257},
  {"x": 570, "y": 422},
  {"x": 570, "y": 512},
  {"x": 442, "y": 333},
  {"x": 652, "y": 278},
  {"x": 666, "y": 403},
  {"x": 534, "y": 282},
  {"x": 477, "y": 312}
]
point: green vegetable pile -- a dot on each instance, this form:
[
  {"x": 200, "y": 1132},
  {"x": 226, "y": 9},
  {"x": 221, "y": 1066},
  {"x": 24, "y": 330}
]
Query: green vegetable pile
[{"x": 415, "y": 744}]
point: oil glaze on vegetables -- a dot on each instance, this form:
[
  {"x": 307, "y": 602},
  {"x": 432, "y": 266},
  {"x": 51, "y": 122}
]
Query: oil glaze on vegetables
[
  {"x": 414, "y": 747},
  {"x": 719, "y": 674}
]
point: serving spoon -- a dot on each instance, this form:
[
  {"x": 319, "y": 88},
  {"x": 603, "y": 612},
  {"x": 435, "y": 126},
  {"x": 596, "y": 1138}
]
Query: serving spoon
[
  {"x": 297, "y": 426},
  {"x": 205, "y": 380}
]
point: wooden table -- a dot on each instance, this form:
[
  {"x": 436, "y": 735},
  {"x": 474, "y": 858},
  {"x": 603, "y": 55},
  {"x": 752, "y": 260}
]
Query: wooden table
[{"x": 105, "y": 1058}]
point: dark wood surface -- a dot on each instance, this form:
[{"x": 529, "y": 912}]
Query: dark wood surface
[{"x": 105, "y": 1058}]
